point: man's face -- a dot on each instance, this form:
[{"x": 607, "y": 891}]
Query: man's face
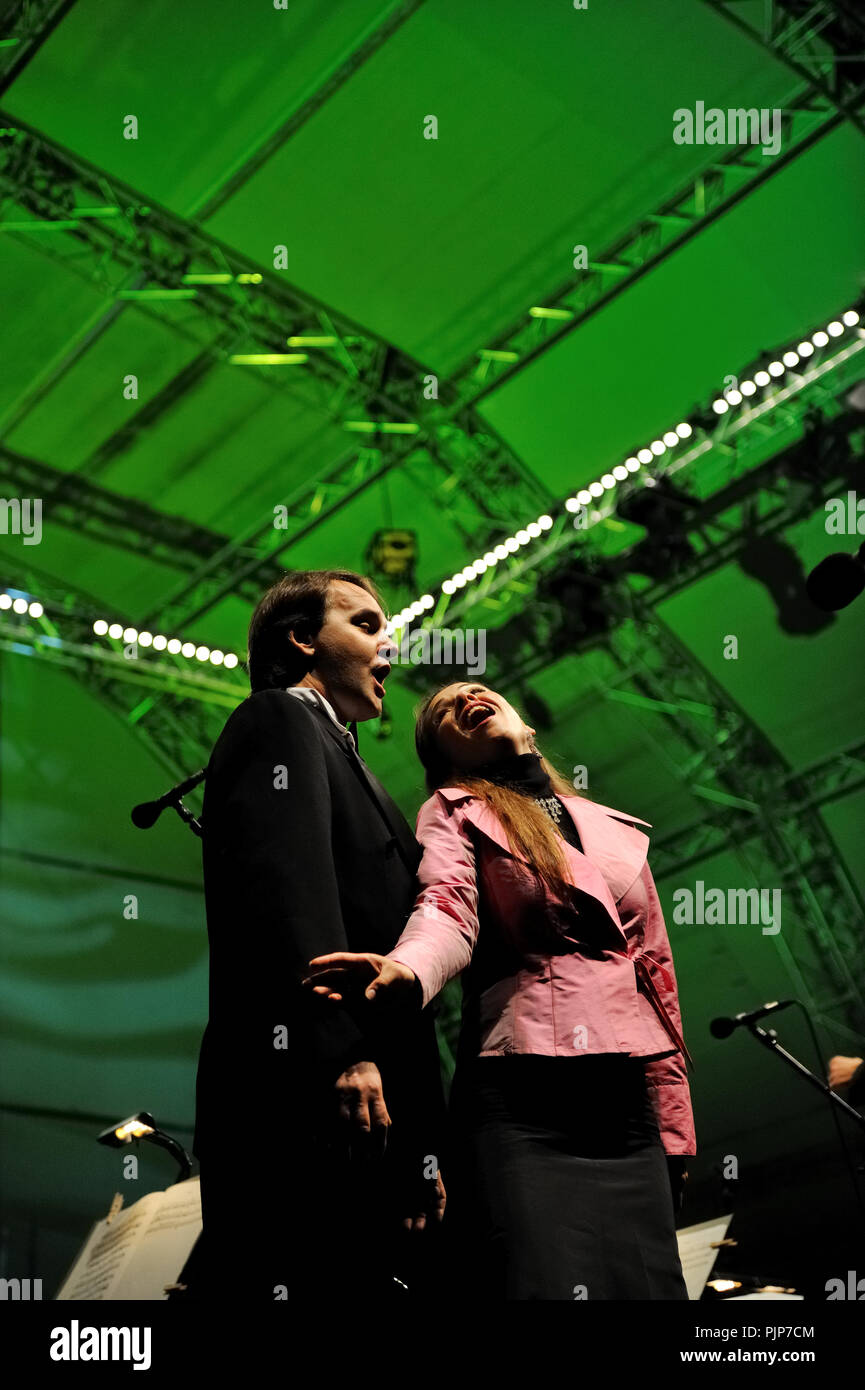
[
  {"x": 475, "y": 725},
  {"x": 346, "y": 665}
]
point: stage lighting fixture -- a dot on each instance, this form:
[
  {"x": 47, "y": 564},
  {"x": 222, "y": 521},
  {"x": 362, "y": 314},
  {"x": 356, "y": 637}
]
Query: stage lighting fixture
[
  {"x": 586, "y": 598},
  {"x": 774, "y": 564},
  {"x": 392, "y": 554},
  {"x": 837, "y": 580}
]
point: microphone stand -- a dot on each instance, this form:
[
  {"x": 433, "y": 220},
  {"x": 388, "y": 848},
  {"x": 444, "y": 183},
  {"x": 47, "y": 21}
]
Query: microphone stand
[{"x": 769, "y": 1038}]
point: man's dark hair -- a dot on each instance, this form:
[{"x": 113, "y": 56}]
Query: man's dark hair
[{"x": 298, "y": 601}]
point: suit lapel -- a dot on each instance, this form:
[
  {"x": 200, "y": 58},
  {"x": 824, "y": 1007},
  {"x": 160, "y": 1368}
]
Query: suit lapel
[{"x": 390, "y": 813}]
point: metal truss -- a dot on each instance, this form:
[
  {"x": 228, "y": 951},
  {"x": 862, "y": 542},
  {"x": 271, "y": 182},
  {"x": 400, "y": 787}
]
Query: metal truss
[
  {"x": 729, "y": 447},
  {"x": 174, "y": 708},
  {"x": 112, "y": 236},
  {"x": 730, "y": 825},
  {"x": 732, "y": 176},
  {"x": 26, "y": 26},
  {"x": 822, "y": 41},
  {"x": 789, "y": 845}
]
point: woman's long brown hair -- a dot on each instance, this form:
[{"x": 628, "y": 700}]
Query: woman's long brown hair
[{"x": 529, "y": 830}]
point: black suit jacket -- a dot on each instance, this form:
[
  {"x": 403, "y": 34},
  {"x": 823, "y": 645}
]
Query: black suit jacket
[{"x": 304, "y": 853}]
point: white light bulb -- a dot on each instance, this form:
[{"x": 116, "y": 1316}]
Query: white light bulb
[
  {"x": 572, "y": 505},
  {"x": 217, "y": 658},
  {"x": 670, "y": 439},
  {"x": 174, "y": 645},
  {"x": 620, "y": 472},
  {"x": 188, "y": 649},
  {"x": 230, "y": 660},
  {"x": 511, "y": 544},
  {"x": 645, "y": 455},
  {"x": 534, "y": 530},
  {"x": 819, "y": 339},
  {"x": 480, "y": 566},
  {"x": 100, "y": 627},
  {"x": 596, "y": 489},
  {"x": 805, "y": 349},
  {"x": 775, "y": 369},
  {"x": 734, "y": 397},
  {"x": 130, "y": 634},
  {"x": 35, "y": 609},
  {"x": 20, "y": 605},
  {"x": 202, "y": 653},
  {"x": 851, "y": 318},
  {"x": 658, "y": 447},
  {"x": 5, "y": 601},
  {"x": 720, "y": 406},
  {"x": 145, "y": 638},
  {"x": 584, "y": 497},
  {"x": 545, "y": 522},
  {"x": 448, "y": 586},
  {"x": 835, "y": 329},
  {"x": 115, "y": 630},
  {"x": 790, "y": 358},
  {"x": 684, "y": 430},
  {"x": 501, "y": 552},
  {"x": 160, "y": 643}
]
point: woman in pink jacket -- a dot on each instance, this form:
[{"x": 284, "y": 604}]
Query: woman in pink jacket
[{"x": 570, "y": 1085}]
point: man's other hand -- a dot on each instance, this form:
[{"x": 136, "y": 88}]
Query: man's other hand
[{"x": 361, "y": 1110}]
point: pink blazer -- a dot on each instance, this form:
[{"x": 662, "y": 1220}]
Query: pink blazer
[{"x": 588, "y": 972}]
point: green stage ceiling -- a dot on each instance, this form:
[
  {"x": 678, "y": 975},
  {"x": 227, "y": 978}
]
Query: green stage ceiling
[{"x": 260, "y": 127}]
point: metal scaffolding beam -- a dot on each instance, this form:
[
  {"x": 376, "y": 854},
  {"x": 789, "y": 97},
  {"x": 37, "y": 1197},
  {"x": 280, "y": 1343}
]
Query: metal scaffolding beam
[{"x": 111, "y": 235}]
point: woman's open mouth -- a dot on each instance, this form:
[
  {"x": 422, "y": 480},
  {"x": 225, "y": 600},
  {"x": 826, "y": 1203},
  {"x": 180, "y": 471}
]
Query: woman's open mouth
[{"x": 474, "y": 716}]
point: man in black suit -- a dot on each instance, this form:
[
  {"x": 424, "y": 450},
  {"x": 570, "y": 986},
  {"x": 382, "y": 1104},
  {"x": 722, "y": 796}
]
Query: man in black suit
[{"x": 317, "y": 1125}]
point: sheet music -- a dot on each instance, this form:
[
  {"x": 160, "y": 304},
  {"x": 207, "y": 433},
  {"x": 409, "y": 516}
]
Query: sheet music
[
  {"x": 141, "y": 1250},
  {"x": 696, "y": 1253}
]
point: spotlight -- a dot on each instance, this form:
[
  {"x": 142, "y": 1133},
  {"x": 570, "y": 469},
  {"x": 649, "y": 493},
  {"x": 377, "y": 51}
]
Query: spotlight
[
  {"x": 392, "y": 554},
  {"x": 837, "y": 580},
  {"x": 775, "y": 565}
]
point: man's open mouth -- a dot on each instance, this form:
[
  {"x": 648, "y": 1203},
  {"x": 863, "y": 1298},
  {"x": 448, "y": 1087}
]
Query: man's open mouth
[
  {"x": 379, "y": 676},
  {"x": 475, "y": 715}
]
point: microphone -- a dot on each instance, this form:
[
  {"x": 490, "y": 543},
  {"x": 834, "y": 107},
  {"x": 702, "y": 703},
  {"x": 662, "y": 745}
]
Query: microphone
[
  {"x": 836, "y": 581},
  {"x": 147, "y": 813},
  {"x": 723, "y": 1027}
]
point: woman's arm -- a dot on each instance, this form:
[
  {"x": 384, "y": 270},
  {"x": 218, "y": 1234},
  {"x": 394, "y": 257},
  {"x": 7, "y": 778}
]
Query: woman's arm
[
  {"x": 667, "y": 1078},
  {"x": 439, "y": 937}
]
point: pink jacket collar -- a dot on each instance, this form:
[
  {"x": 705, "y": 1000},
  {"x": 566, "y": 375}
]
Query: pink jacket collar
[{"x": 619, "y": 850}]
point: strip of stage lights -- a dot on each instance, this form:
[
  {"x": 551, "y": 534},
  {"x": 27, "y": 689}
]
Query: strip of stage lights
[
  {"x": 731, "y": 399},
  {"x": 735, "y": 397}
]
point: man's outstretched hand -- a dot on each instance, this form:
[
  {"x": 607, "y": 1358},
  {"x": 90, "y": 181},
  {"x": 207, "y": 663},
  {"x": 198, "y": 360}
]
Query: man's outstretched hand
[{"x": 349, "y": 972}]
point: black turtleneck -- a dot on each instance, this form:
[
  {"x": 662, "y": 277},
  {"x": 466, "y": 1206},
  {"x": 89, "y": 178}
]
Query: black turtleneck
[{"x": 522, "y": 772}]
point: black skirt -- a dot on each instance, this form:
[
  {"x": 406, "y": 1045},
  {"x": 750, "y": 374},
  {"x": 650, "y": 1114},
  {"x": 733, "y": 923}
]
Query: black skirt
[{"x": 559, "y": 1187}]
